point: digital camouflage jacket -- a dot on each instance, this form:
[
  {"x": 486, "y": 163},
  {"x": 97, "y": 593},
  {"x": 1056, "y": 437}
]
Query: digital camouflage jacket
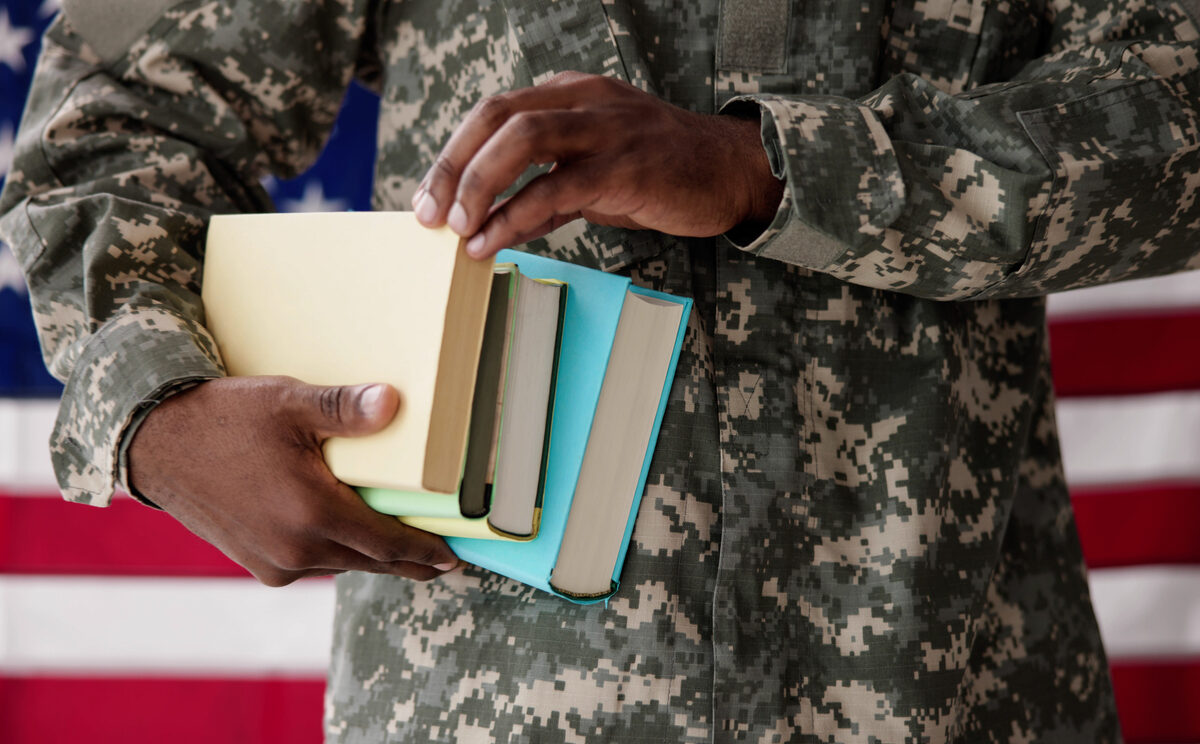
[{"x": 856, "y": 527}]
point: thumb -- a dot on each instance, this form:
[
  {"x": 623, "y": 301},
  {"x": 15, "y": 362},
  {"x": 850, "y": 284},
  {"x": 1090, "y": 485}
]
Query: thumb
[{"x": 350, "y": 410}]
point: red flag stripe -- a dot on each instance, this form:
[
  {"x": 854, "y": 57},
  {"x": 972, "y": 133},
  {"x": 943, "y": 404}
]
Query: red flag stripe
[
  {"x": 1139, "y": 524},
  {"x": 1126, "y": 355},
  {"x": 118, "y": 710},
  {"x": 1157, "y": 699},
  {"x": 52, "y": 536},
  {"x": 1125, "y": 526}
]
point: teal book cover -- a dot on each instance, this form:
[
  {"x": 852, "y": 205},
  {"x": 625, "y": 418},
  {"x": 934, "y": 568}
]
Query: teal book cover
[{"x": 594, "y": 301}]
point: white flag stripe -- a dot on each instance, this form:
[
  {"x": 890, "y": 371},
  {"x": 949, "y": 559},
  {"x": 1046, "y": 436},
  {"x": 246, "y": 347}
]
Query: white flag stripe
[
  {"x": 233, "y": 627},
  {"x": 1131, "y": 438},
  {"x": 228, "y": 627},
  {"x": 1148, "y": 610},
  {"x": 1172, "y": 292},
  {"x": 25, "y": 426},
  {"x": 1105, "y": 440}
]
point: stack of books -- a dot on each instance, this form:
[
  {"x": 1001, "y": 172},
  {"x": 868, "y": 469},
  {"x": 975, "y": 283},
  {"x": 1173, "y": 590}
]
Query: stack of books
[
  {"x": 533, "y": 389},
  {"x": 503, "y": 478}
]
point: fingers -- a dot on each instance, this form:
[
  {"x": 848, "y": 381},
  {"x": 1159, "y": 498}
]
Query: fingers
[
  {"x": 345, "y": 410},
  {"x": 546, "y": 203},
  {"x": 385, "y": 539},
  {"x": 460, "y": 187},
  {"x": 352, "y": 561},
  {"x": 527, "y": 138},
  {"x": 330, "y": 527},
  {"x": 273, "y": 576},
  {"x": 433, "y": 201},
  {"x": 240, "y": 464},
  {"x": 350, "y": 539},
  {"x": 343, "y": 559}
]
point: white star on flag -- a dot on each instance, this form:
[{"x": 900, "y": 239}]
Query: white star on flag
[
  {"x": 10, "y": 271},
  {"x": 6, "y": 148},
  {"x": 13, "y": 40},
  {"x": 314, "y": 200}
]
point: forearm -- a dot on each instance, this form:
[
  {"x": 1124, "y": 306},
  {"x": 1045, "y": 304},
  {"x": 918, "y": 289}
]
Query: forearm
[
  {"x": 120, "y": 162},
  {"x": 1077, "y": 172}
]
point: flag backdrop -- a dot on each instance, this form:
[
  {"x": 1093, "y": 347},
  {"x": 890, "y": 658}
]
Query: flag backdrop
[{"x": 117, "y": 625}]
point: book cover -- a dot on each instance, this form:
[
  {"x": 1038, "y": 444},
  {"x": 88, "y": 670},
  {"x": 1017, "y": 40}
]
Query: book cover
[
  {"x": 530, "y": 456},
  {"x": 348, "y": 298},
  {"x": 590, "y": 318}
]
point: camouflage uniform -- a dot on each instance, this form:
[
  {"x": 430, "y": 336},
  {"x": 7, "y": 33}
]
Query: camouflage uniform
[{"x": 856, "y": 527}]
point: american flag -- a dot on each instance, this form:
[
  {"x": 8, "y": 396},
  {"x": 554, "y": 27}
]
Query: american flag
[{"x": 117, "y": 625}]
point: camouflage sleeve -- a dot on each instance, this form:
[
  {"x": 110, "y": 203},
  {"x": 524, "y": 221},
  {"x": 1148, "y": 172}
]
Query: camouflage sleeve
[
  {"x": 1080, "y": 170},
  {"x": 145, "y": 117}
]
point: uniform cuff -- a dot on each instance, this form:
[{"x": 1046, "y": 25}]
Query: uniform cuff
[
  {"x": 134, "y": 361},
  {"x": 843, "y": 181}
]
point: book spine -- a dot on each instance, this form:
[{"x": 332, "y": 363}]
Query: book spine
[
  {"x": 662, "y": 408},
  {"x": 469, "y": 291}
]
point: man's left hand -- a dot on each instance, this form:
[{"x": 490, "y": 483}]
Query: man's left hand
[{"x": 621, "y": 157}]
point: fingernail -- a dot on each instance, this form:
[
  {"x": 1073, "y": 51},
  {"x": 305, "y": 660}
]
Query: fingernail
[
  {"x": 416, "y": 197},
  {"x": 426, "y": 208},
  {"x": 476, "y": 245},
  {"x": 458, "y": 219},
  {"x": 445, "y": 566},
  {"x": 368, "y": 399}
]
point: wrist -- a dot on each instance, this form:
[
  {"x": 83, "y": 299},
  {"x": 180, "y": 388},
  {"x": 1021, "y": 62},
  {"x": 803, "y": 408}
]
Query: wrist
[
  {"x": 760, "y": 191},
  {"x": 152, "y": 407}
]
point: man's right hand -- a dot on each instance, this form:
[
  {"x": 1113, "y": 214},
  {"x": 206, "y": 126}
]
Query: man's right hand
[{"x": 238, "y": 461}]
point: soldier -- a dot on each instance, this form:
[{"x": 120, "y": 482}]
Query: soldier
[{"x": 856, "y": 526}]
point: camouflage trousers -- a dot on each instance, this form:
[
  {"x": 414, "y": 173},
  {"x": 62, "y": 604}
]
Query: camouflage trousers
[{"x": 850, "y": 533}]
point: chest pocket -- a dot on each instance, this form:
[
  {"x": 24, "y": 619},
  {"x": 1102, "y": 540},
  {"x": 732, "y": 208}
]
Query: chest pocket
[
  {"x": 572, "y": 35},
  {"x": 936, "y": 39},
  {"x": 752, "y": 36}
]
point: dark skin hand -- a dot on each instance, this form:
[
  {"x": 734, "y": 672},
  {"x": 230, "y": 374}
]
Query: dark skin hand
[
  {"x": 238, "y": 461},
  {"x": 621, "y": 157}
]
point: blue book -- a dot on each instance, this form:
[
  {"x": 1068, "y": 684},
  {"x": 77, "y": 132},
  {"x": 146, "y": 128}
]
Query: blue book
[{"x": 570, "y": 548}]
